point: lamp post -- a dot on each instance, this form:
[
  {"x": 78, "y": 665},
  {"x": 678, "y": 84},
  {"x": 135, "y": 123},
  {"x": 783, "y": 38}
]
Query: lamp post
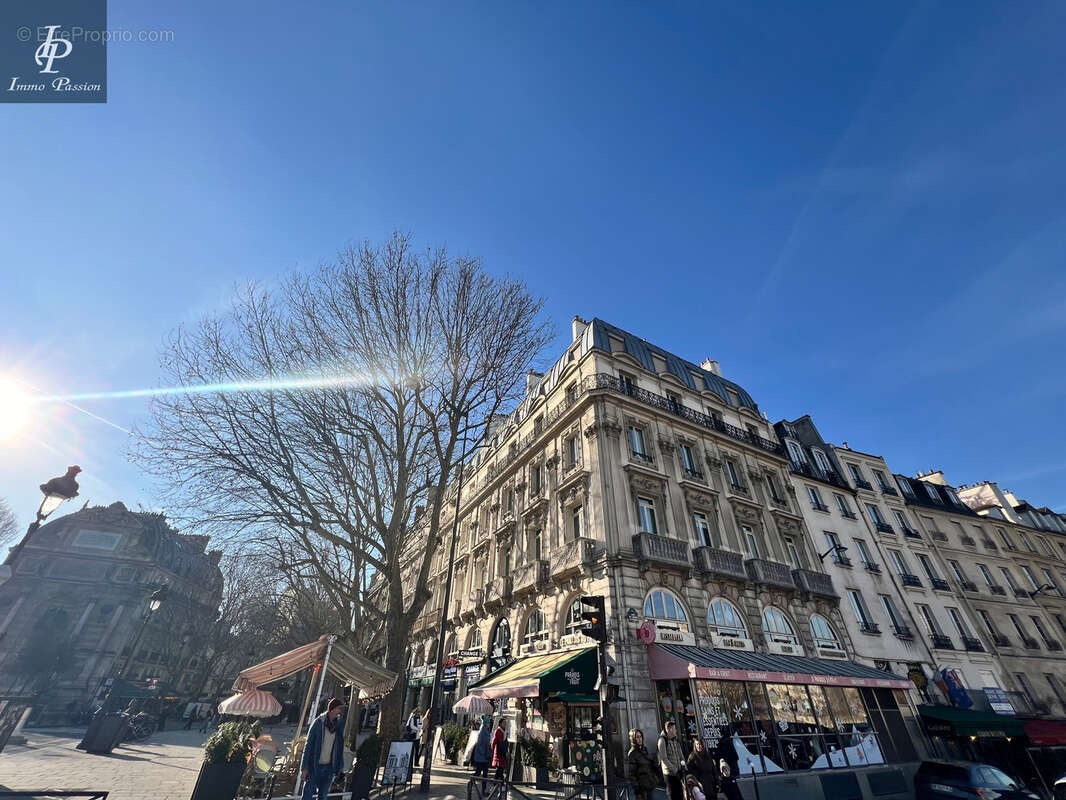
[
  {"x": 155, "y": 600},
  {"x": 56, "y": 491}
]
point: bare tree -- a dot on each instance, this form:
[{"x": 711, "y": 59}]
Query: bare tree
[
  {"x": 350, "y": 392},
  {"x": 8, "y": 525}
]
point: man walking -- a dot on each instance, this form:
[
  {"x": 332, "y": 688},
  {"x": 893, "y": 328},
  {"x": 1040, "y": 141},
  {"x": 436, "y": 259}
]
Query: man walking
[
  {"x": 324, "y": 751},
  {"x": 671, "y": 760},
  {"x": 413, "y": 732}
]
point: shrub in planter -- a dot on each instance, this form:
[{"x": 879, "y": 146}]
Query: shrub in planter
[
  {"x": 455, "y": 737},
  {"x": 226, "y": 755},
  {"x": 537, "y": 754},
  {"x": 369, "y": 752}
]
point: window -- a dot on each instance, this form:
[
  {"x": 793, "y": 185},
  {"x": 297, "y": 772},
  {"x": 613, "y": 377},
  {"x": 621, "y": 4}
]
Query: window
[
  {"x": 864, "y": 554},
  {"x": 574, "y": 622},
  {"x": 1026, "y": 541},
  {"x": 901, "y": 518},
  {"x": 675, "y": 401},
  {"x": 856, "y": 473},
  {"x": 775, "y": 490},
  {"x": 816, "y": 499},
  {"x": 1017, "y": 623},
  {"x": 688, "y": 461},
  {"x": 905, "y": 487},
  {"x": 1051, "y": 580},
  {"x": 646, "y": 513},
  {"x": 932, "y": 626},
  {"x": 1023, "y": 682},
  {"x": 1056, "y": 688},
  {"x": 954, "y": 497},
  {"x": 636, "y": 443},
  {"x": 726, "y": 620},
  {"x": 1046, "y": 548},
  {"x": 959, "y": 623},
  {"x": 881, "y": 481},
  {"x": 777, "y": 627},
  {"x": 793, "y": 552},
  {"x": 930, "y": 490},
  {"x": 795, "y": 453},
  {"x": 986, "y": 574},
  {"x": 536, "y": 631},
  {"x": 832, "y": 542},
  {"x": 843, "y": 505},
  {"x": 1061, "y": 622},
  {"x": 891, "y": 612},
  {"x": 956, "y": 570},
  {"x": 823, "y": 634},
  {"x": 823, "y": 463},
  {"x": 862, "y": 614},
  {"x": 987, "y": 622},
  {"x": 750, "y": 542},
  {"x": 575, "y": 521},
  {"x": 734, "y": 476},
  {"x": 1009, "y": 578},
  {"x": 663, "y": 605},
  {"x": 537, "y": 544},
  {"x": 627, "y": 382},
  {"x": 1040, "y": 628},
  {"x": 538, "y": 425},
  {"x": 1007, "y": 542},
  {"x": 927, "y": 565},
  {"x": 703, "y": 529},
  {"x": 1032, "y": 578},
  {"x": 898, "y": 562},
  {"x": 875, "y": 514},
  {"x": 571, "y": 394},
  {"x": 573, "y": 455},
  {"x": 534, "y": 480}
]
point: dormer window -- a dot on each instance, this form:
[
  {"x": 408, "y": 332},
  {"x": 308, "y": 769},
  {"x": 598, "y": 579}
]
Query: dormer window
[
  {"x": 930, "y": 490},
  {"x": 794, "y": 452}
]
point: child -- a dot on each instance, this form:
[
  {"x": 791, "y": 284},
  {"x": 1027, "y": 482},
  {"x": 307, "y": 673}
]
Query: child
[{"x": 695, "y": 791}]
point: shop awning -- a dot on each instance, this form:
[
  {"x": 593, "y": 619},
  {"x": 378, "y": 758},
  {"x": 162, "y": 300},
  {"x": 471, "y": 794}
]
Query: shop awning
[
  {"x": 571, "y": 671},
  {"x": 950, "y": 721},
  {"x": 1045, "y": 732},
  {"x": 685, "y": 661},
  {"x": 344, "y": 662}
]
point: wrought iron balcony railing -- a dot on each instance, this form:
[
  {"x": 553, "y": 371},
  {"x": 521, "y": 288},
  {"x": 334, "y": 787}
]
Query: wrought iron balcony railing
[
  {"x": 884, "y": 527},
  {"x": 968, "y": 541},
  {"x": 872, "y": 567},
  {"x": 902, "y": 632},
  {"x": 997, "y": 589},
  {"x": 1020, "y": 592},
  {"x": 907, "y": 579},
  {"x": 968, "y": 586},
  {"x": 941, "y": 642},
  {"x": 1030, "y": 644},
  {"x": 693, "y": 473},
  {"x": 889, "y": 490},
  {"x": 809, "y": 470},
  {"x": 973, "y": 645},
  {"x": 848, "y": 514},
  {"x": 940, "y": 584},
  {"x": 999, "y": 640},
  {"x": 870, "y": 627},
  {"x": 819, "y": 506},
  {"x": 989, "y": 544},
  {"x": 1052, "y": 645},
  {"x": 642, "y": 457},
  {"x": 861, "y": 484}
]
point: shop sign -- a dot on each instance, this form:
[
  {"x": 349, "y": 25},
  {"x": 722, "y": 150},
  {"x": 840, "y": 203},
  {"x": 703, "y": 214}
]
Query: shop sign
[
  {"x": 472, "y": 671},
  {"x": 556, "y": 718},
  {"x": 418, "y": 672},
  {"x": 783, "y": 649},
  {"x": 831, "y": 652},
  {"x": 577, "y": 639},
  {"x": 469, "y": 654},
  {"x": 731, "y": 642},
  {"x": 998, "y": 700},
  {"x": 674, "y": 636}
]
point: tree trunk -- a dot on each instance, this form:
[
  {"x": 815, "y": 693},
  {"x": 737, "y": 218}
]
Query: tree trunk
[{"x": 390, "y": 724}]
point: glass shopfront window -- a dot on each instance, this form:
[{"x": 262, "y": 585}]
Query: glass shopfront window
[{"x": 798, "y": 735}]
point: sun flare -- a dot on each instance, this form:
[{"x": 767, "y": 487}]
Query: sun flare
[{"x": 14, "y": 408}]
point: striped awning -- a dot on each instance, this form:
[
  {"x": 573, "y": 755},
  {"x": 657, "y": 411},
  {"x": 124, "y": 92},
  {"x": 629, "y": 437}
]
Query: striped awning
[
  {"x": 344, "y": 662},
  {"x": 253, "y": 703},
  {"x": 686, "y": 661}
]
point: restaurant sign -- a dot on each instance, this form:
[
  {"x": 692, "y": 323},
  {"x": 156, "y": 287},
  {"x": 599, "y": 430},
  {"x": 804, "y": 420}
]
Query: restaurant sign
[{"x": 999, "y": 701}]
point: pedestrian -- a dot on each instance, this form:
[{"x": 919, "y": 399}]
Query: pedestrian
[
  {"x": 640, "y": 767},
  {"x": 483, "y": 750},
  {"x": 413, "y": 732},
  {"x": 425, "y": 750},
  {"x": 163, "y": 712},
  {"x": 694, "y": 789},
  {"x": 729, "y": 782},
  {"x": 323, "y": 751},
  {"x": 499, "y": 751},
  {"x": 671, "y": 760},
  {"x": 703, "y": 766}
]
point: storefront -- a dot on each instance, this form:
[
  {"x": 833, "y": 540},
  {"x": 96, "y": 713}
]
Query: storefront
[{"x": 773, "y": 713}]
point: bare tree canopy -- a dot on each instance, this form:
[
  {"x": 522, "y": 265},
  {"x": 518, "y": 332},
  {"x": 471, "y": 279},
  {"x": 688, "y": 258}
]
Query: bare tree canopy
[
  {"x": 319, "y": 416},
  {"x": 8, "y": 525}
]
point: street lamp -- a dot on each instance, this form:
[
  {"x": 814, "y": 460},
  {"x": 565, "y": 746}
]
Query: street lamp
[
  {"x": 56, "y": 491},
  {"x": 837, "y": 550},
  {"x": 1040, "y": 590}
]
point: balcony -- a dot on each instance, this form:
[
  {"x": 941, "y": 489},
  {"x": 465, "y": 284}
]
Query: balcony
[
  {"x": 848, "y": 514},
  {"x": 1020, "y": 592},
  {"x": 817, "y": 473},
  {"x": 498, "y": 592},
  {"x": 940, "y": 584},
  {"x": 1030, "y": 644},
  {"x": 529, "y": 576},
  {"x": 996, "y": 589},
  {"x": 771, "y": 573},
  {"x": 870, "y": 627},
  {"x": 884, "y": 527},
  {"x": 1053, "y": 645},
  {"x": 652, "y": 548},
  {"x": 941, "y": 642},
  {"x": 889, "y": 490},
  {"x": 907, "y": 579},
  {"x": 814, "y": 582},
  {"x": 573, "y": 557},
  {"x": 843, "y": 561},
  {"x": 692, "y": 473},
  {"x": 643, "y": 458},
  {"x": 968, "y": 586},
  {"x": 972, "y": 645},
  {"x": 902, "y": 632},
  {"x": 999, "y": 640},
  {"x": 715, "y": 561},
  {"x": 910, "y": 533},
  {"x": 819, "y": 506},
  {"x": 872, "y": 567},
  {"x": 989, "y": 544},
  {"x": 968, "y": 541},
  {"x": 611, "y": 383},
  {"x": 861, "y": 484}
]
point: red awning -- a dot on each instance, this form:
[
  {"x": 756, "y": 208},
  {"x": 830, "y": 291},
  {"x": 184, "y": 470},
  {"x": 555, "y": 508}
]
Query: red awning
[
  {"x": 343, "y": 662},
  {"x": 1045, "y": 732}
]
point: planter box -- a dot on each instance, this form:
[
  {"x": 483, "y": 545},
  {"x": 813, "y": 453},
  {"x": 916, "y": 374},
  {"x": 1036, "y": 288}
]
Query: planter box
[{"x": 218, "y": 781}]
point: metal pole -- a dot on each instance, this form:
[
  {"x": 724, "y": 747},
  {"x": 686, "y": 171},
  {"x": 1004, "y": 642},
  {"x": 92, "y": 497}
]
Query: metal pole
[
  {"x": 318, "y": 697},
  {"x": 427, "y": 765},
  {"x": 133, "y": 647},
  {"x": 605, "y": 722}
]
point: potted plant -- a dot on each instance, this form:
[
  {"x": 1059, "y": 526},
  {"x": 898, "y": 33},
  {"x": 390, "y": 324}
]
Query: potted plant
[
  {"x": 226, "y": 755},
  {"x": 455, "y": 737},
  {"x": 537, "y": 757}
]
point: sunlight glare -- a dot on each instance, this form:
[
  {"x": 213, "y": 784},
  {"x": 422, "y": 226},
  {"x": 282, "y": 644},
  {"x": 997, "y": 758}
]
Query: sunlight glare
[{"x": 14, "y": 408}]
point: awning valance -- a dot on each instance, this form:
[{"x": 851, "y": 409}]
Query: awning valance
[
  {"x": 950, "y": 721},
  {"x": 344, "y": 662},
  {"x": 1045, "y": 732},
  {"x": 569, "y": 671},
  {"x": 686, "y": 661}
]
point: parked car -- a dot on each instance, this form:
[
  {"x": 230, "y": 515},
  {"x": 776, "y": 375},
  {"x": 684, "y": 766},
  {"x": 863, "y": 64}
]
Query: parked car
[
  {"x": 1058, "y": 789},
  {"x": 951, "y": 780}
]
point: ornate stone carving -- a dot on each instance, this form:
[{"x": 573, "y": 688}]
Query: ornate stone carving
[
  {"x": 746, "y": 513},
  {"x": 712, "y": 459},
  {"x": 640, "y": 483},
  {"x": 696, "y": 498},
  {"x": 666, "y": 445}
]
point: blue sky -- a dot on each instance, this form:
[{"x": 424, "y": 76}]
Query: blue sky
[{"x": 861, "y": 212}]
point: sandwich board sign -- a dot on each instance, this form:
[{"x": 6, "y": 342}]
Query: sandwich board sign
[{"x": 399, "y": 764}]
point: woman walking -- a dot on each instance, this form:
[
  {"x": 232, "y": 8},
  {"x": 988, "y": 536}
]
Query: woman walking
[
  {"x": 483, "y": 750},
  {"x": 704, "y": 768},
  {"x": 640, "y": 767},
  {"x": 499, "y": 751}
]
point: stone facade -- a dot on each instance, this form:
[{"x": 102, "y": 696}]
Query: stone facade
[{"x": 77, "y": 597}]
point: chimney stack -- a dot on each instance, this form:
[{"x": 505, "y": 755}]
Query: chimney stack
[
  {"x": 533, "y": 379},
  {"x": 577, "y": 327},
  {"x": 711, "y": 365}
]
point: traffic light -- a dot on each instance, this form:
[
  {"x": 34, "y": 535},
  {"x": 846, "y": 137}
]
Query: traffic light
[{"x": 595, "y": 620}]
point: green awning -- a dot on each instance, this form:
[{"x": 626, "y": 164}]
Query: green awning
[
  {"x": 945, "y": 720},
  {"x": 572, "y": 671},
  {"x": 570, "y": 697}
]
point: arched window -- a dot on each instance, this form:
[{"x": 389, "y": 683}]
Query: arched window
[
  {"x": 574, "y": 623},
  {"x": 473, "y": 641},
  {"x": 536, "y": 630},
  {"x": 662, "y": 604},
  {"x": 823, "y": 633},
  {"x": 725, "y": 619},
  {"x": 501, "y": 644},
  {"x": 449, "y": 646},
  {"x": 777, "y": 626}
]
